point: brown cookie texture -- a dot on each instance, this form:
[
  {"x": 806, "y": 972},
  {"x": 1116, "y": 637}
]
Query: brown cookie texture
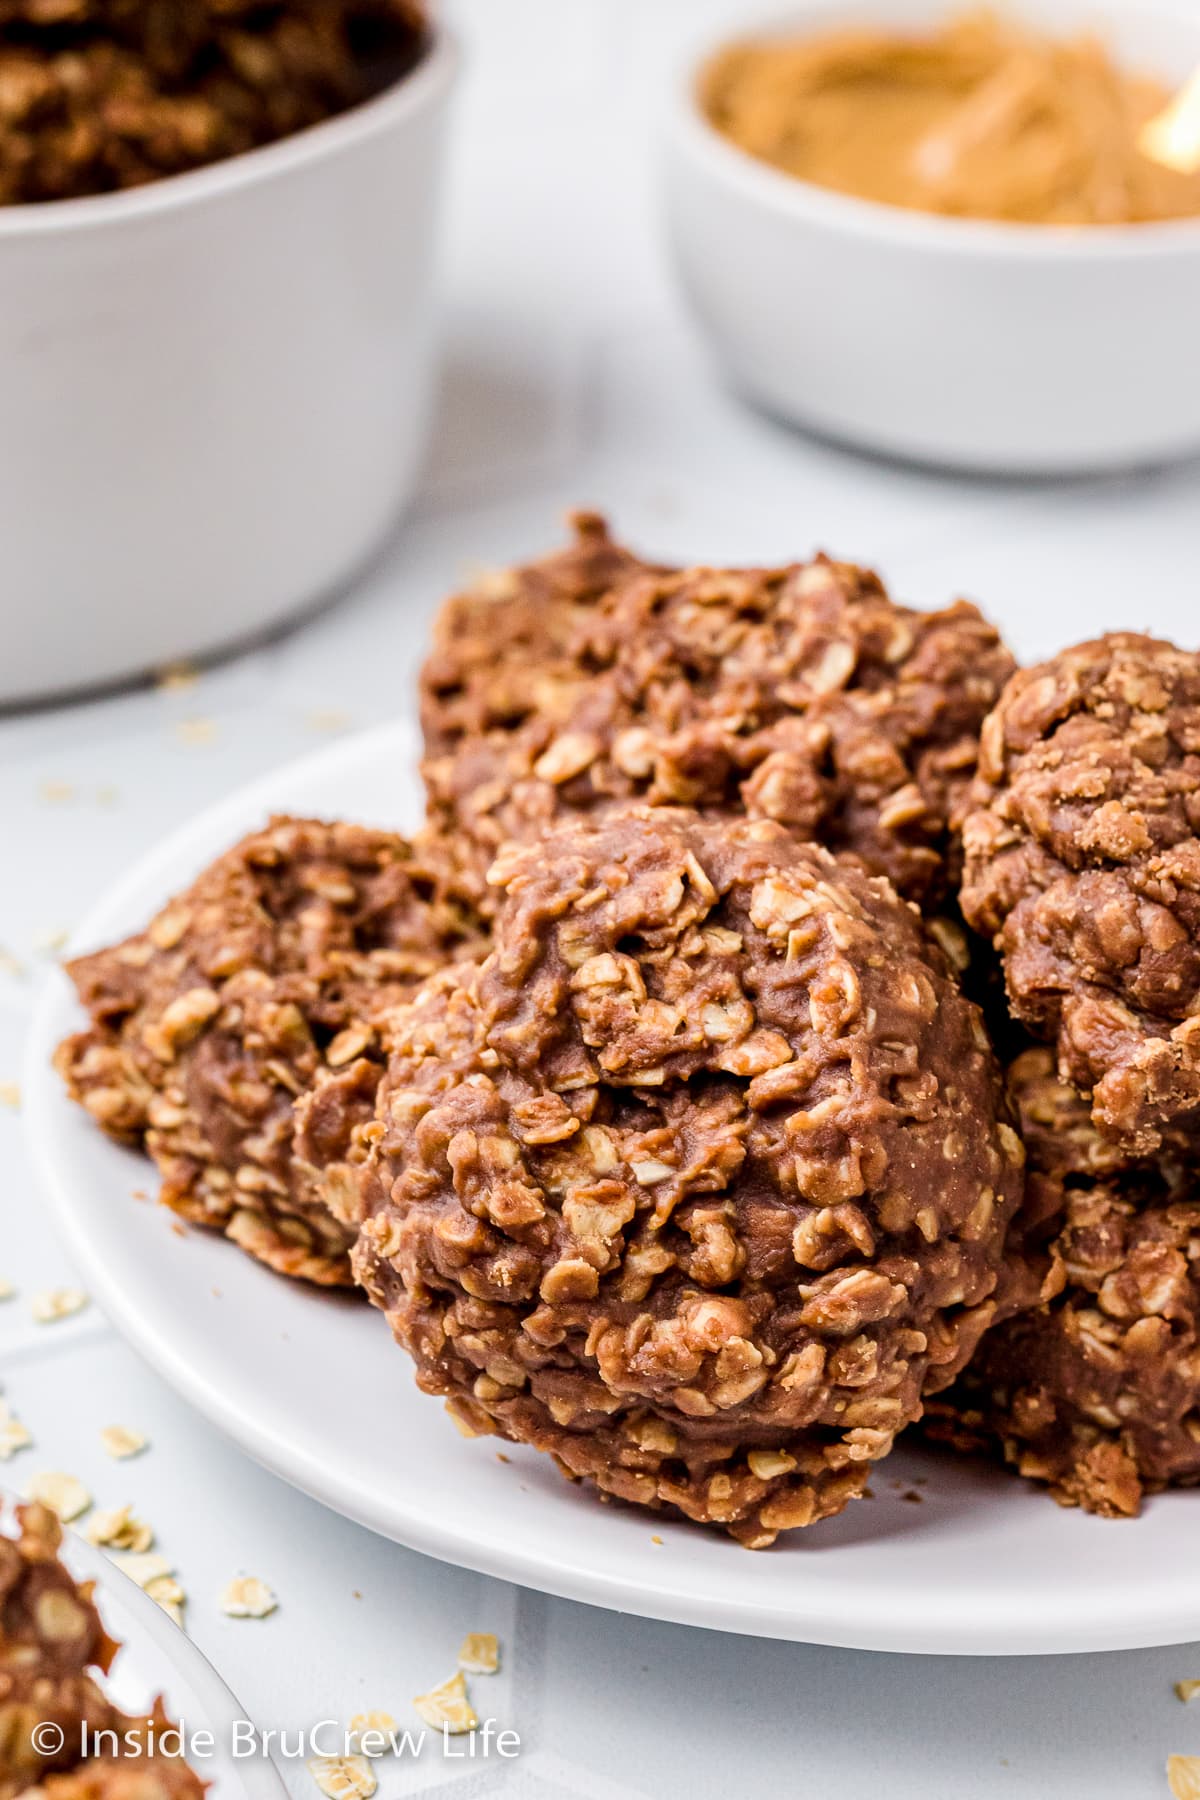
[
  {"x": 1082, "y": 863},
  {"x": 54, "y": 1657},
  {"x": 700, "y": 1180},
  {"x": 53, "y": 1649},
  {"x": 145, "y": 1776},
  {"x": 1092, "y": 1384},
  {"x": 504, "y": 648},
  {"x": 802, "y": 694},
  {"x": 267, "y": 980}
]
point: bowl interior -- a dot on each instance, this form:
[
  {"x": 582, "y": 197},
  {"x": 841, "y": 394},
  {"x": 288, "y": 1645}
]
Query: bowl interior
[
  {"x": 394, "y": 90},
  {"x": 1159, "y": 40}
]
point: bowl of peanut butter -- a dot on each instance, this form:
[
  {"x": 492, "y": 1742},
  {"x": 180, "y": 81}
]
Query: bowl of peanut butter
[{"x": 969, "y": 238}]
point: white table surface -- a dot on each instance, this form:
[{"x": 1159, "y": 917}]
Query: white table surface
[{"x": 571, "y": 377}]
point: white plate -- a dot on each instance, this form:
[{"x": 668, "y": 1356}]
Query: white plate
[
  {"x": 156, "y": 1657},
  {"x": 311, "y": 1386}
]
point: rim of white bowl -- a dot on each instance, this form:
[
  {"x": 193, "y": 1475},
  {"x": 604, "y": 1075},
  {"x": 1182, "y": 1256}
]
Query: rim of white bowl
[
  {"x": 424, "y": 86},
  {"x": 188, "y": 1674},
  {"x": 792, "y": 197}
]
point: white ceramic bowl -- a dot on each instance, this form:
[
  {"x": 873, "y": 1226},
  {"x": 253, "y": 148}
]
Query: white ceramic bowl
[
  {"x": 1022, "y": 349},
  {"x": 214, "y": 390}
]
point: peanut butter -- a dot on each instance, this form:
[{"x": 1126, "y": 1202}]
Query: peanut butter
[{"x": 981, "y": 118}]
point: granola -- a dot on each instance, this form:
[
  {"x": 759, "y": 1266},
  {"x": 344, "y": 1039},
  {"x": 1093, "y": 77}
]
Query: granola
[
  {"x": 701, "y": 1179},
  {"x": 273, "y": 972},
  {"x": 97, "y": 95},
  {"x": 802, "y": 694}
]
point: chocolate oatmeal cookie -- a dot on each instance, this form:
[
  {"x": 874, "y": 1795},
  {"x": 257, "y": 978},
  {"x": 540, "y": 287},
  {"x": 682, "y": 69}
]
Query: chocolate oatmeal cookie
[
  {"x": 274, "y": 972},
  {"x": 505, "y": 648},
  {"x": 1083, "y": 865},
  {"x": 52, "y": 1649},
  {"x": 701, "y": 1179},
  {"x": 802, "y": 694},
  {"x": 141, "y": 1776},
  {"x": 1094, "y": 1385},
  {"x": 54, "y": 1655}
]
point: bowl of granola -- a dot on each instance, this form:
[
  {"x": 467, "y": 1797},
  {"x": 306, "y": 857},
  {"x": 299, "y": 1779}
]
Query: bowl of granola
[{"x": 217, "y": 248}]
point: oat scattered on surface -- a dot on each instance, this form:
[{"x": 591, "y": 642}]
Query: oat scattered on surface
[
  {"x": 343, "y": 1777},
  {"x": 119, "y": 1442},
  {"x": 51, "y": 938},
  {"x": 195, "y": 731},
  {"x": 247, "y": 1598},
  {"x": 1183, "y": 1777},
  {"x": 144, "y": 1568},
  {"x": 56, "y": 793},
  {"x": 166, "y": 1592},
  {"x": 53, "y": 1304},
  {"x": 117, "y": 1528},
  {"x": 63, "y": 1494},
  {"x": 328, "y": 718},
  {"x": 368, "y": 1725},
  {"x": 14, "y": 1435},
  {"x": 107, "y": 795},
  {"x": 1187, "y": 1690},
  {"x": 447, "y": 1706},
  {"x": 10, "y": 965},
  {"x": 7, "y": 1290},
  {"x": 10, "y": 1094},
  {"x": 479, "y": 1653},
  {"x": 655, "y": 1539}
]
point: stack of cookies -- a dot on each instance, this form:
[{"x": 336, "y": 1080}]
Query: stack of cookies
[{"x": 782, "y": 1028}]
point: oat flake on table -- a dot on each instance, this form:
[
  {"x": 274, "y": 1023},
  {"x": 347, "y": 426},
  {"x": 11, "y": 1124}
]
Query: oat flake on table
[
  {"x": 343, "y": 1777},
  {"x": 447, "y": 1706},
  {"x": 119, "y": 1442},
  {"x": 166, "y": 1592},
  {"x": 479, "y": 1653},
  {"x": 246, "y": 1597},
  {"x": 63, "y": 1494},
  {"x": 53, "y": 1304},
  {"x": 1183, "y": 1777},
  {"x": 367, "y": 1724},
  {"x": 144, "y": 1567},
  {"x": 118, "y": 1529},
  {"x": 14, "y": 1435}
]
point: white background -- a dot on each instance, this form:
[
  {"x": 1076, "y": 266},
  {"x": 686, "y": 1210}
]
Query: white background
[{"x": 571, "y": 377}]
